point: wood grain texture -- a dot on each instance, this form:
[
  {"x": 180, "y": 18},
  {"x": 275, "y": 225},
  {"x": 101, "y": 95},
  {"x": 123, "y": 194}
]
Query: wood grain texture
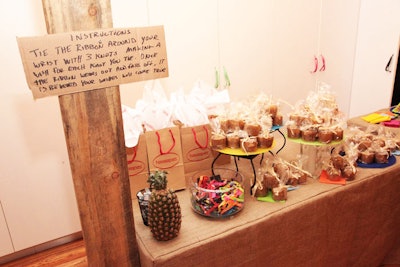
[
  {"x": 71, "y": 254},
  {"x": 94, "y": 135}
]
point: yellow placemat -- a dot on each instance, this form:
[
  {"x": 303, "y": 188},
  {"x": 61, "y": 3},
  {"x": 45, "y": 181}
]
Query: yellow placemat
[
  {"x": 378, "y": 117},
  {"x": 313, "y": 143},
  {"x": 241, "y": 152}
]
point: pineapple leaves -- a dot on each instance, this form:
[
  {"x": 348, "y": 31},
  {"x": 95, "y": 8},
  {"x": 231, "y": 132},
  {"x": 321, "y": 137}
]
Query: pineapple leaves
[{"x": 158, "y": 179}]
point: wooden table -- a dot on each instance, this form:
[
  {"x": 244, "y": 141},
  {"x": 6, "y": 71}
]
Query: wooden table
[{"x": 319, "y": 225}]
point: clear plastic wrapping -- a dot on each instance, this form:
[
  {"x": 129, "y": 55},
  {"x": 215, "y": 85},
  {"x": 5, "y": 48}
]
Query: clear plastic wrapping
[
  {"x": 250, "y": 121},
  {"x": 375, "y": 144},
  {"x": 343, "y": 162},
  {"x": 277, "y": 175},
  {"x": 317, "y": 118}
]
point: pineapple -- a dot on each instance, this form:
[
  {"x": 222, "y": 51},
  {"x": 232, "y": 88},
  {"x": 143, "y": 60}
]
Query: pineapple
[{"x": 164, "y": 214}]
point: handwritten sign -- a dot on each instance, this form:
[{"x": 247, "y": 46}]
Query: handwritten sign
[{"x": 65, "y": 63}]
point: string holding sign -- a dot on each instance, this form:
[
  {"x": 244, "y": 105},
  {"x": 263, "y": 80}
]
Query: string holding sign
[{"x": 65, "y": 63}]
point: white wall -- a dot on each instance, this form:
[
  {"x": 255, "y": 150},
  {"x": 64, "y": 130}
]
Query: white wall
[
  {"x": 34, "y": 168},
  {"x": 378, "y": 39},
  {"x": 191, "y": 35}
]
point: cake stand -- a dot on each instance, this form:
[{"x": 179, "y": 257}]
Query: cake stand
[
  {"x": 238, "y": 153},
  {"x": 316, "y": 151}
]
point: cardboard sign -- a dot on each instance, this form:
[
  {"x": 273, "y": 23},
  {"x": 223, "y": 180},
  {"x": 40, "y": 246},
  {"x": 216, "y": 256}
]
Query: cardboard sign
[{"x": 65, "y": 63}]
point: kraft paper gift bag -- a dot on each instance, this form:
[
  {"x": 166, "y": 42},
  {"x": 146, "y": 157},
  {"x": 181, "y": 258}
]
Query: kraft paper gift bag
[
  {"x": 196, "y": 150},
  {"x": 164, "y": 152},
  {"x": 138, "y": 166}
]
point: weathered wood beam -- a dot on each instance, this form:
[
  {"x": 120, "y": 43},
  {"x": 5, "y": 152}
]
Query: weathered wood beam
[{"x": 95, "y": 140}]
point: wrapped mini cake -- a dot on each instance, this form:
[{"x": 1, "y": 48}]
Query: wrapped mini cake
[
  {"x": 338, "y": 134},
  {"x": 325, "y": 135},
  {"x": 293, "y": 180},
  {"x": 279, "y": 193},
  {"x": 233, "y": 140},
  {"x": 296, "y": 119},
  {"x": 218, "y": 137},
  {"x": 381, "y": 156},
  {"x": 333, "y": 173},
  {"x": 252, "y": 129},
  {"x": 272, "y": 109},
  {"x": 282, "y": 170},
  {"x": 249, "y": 144},
  {"x": 300, "y": 175},
  {"x": 391, "y": 145},
  {"x": 364, "y": 144},
  {"x": 338, "y": 161},
  {"x": 349, "y": 172},
  {"x": 379, "y": 142},
  {"x": 260, "y": 190},
  {"x": 342, "y": 163},
  {"x": 293, "y": 131},
  {"x": 265, "y": 140},
  {"x": 367, "y": 156},
  {"x": 224, "y": 127},
  {"x": 278, "y": 120},
  {"x": 235, "y": 124},
  {"x": 309, "y": 134},
  {"x": 271, "y": 180},
  {"x": 218, "y": 141}
]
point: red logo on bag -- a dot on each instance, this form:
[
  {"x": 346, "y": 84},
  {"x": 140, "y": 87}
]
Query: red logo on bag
[
  {"x": 198, "y": 154},
  {"x": 166, "y": 161},
  {"x": 135, "y": 167}
]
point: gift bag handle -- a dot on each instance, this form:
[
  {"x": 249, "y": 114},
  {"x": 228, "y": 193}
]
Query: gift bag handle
[
  {"x": 159, "y": 142},
  {"x": 133, "y": 156},
  {"x": 197, "y": 141}
]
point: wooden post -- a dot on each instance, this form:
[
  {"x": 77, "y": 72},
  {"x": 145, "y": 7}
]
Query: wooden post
[{"x": 94, "y": 135}]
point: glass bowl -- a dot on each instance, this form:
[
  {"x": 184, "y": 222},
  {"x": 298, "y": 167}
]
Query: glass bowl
[{"x": 217, "y": 193}]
